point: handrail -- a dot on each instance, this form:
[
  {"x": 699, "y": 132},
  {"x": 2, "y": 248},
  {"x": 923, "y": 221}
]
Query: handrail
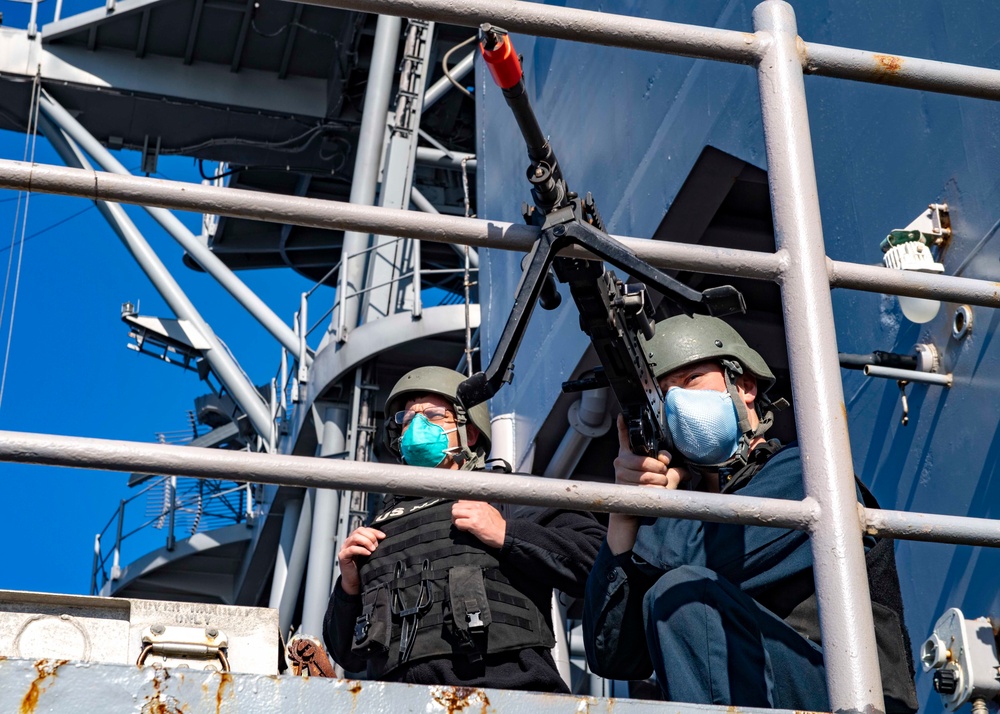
[
  {"x": 176, "y": 505},
  {"x": 475, "y": 232}
]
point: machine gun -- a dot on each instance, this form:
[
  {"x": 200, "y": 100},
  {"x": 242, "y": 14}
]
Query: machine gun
[{"x": 612, "y": 313}]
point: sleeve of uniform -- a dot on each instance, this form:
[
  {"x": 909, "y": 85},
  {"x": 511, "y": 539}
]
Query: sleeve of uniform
[
  {"x": 751, "y": 557},
  {"x": 338, "y": 628},
  {"x": 613, "y": 631},
  {"x": 555, "y": 547}
]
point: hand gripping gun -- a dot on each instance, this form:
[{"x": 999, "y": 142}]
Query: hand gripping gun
[{"x": 612, "y": 313}]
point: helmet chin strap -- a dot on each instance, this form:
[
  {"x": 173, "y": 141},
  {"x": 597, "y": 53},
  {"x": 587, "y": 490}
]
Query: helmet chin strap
[
  {"x": 466, "y": 457},
  {"x": 731, "y": 371}
]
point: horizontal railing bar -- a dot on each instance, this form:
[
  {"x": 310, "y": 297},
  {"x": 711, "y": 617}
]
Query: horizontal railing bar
[
  {"x": 194, "y": 462},
  {"x": 535, "y": 18},
  {"x": 960, "y": 530},
  {"x": 336, "y": 215},
  {"x": 599, "y": 28},
  {"x": 135, "y": 457},
  {"x": 876, "y": 279},
  {"x": 900, "y": 71}
]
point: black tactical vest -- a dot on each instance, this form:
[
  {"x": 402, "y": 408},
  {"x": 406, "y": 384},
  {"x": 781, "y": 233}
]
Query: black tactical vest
[{"x": 430, "y": 590}]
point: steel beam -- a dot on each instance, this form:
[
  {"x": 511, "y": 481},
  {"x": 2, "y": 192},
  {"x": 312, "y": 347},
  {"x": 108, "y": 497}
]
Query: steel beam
[
  {"x": 367, "y": 160},
  {"x": 193, "y": 31},
  {"x": 223, "y": 364},
  {"x": 135, "y": 457},
  {"x": 476, "y": 232},
  {"x": 600, "y": 28},
  {"x": 421, "y": 202},
  {"x": 326, "y": 515},
  {"x": 845, "y": 612},
  {"x": 199, "y": 252},
  {"x": 444, "y": 85},
  {"x": 244, "y": 31}
]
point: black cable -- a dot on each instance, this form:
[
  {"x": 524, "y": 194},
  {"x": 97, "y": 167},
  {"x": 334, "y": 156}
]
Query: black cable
[
  {"x": 49, "y": 228},
  {"x": 216, "y": 177}
]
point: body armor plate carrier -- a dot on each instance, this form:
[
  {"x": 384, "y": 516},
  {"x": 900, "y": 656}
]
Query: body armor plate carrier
[{"x": 430, "y": 590}]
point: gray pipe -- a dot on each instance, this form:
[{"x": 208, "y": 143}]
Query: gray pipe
[
  {"x": 218, "y": 356},
  {"x": 910, "y": 375},
  {"x": 199, "y": 252},
  {"x": 326, "y": 514},
  {"x": 289, "y": 524},
  {"x": 430, "y": 155},
  {"x": 441, "y": 87},
  {"x": 421, "y": 202},
  {"x": 366, "y": 167},
  {"x": 588, "y": 419},
  {"x": 296, "y": 564},
  {"x": 845, "y": 611}
]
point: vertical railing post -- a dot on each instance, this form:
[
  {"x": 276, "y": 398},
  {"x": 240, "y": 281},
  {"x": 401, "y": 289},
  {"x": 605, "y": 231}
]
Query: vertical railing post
[
  {"x": 33, "y": 20},
  {"x": 171, "y": 486},
  {"x": 97, "y": 564},
  {"x": 849, "y": 650},
  {"x": 418, "y": 304},
  {"x": 116, "y": 570}
]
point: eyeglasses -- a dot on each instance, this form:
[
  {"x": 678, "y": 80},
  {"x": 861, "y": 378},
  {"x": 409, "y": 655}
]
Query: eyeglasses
[{"x": 434, "y": 415}]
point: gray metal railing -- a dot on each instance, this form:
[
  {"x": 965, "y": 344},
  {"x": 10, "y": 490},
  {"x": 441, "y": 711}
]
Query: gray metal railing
[
  {"x": 186, "y": 506},
  {"x": 830, "y": 512}
]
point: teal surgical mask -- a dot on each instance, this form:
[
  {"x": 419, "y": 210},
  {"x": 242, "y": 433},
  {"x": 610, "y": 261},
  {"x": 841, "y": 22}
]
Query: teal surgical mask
[
  {"x": 703, "y": 424},
  {"x": 424, "y": 443}
]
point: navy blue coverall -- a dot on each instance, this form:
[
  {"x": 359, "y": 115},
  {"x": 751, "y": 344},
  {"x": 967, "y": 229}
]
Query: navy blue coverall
[{"x": 691, "y": 594}]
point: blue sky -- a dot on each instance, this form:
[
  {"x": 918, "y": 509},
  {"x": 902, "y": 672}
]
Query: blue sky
[{"x": 69, "y": 370}]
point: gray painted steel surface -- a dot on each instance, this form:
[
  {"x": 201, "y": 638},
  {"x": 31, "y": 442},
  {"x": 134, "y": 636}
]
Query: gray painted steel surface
[
  {"x": 163, "y": 76},
  {"x": 61, "y": 687},
  {"x": 845, "y": 611},
  {"x": 366, "y": 165}
]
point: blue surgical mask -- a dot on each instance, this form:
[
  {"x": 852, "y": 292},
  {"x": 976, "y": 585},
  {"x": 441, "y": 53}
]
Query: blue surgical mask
[
  {"x": 703, "y": 424},
  {"x": 424, "y": 443}
]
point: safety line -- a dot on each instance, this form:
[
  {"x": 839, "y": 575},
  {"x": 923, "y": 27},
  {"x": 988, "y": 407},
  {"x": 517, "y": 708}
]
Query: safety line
[{"x": 33, "y": 136}]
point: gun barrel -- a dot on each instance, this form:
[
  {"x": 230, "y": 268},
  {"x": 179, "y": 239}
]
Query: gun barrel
[{"x": 505, "y": 68}]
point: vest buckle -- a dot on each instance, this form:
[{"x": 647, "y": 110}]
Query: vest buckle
[
  {"x": 475, "y": 621},
  {"x": 361, "y": 627}
]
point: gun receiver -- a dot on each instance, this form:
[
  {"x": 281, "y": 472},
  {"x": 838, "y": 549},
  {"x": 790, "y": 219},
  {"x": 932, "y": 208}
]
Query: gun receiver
[{"x": 612, "y": 313}]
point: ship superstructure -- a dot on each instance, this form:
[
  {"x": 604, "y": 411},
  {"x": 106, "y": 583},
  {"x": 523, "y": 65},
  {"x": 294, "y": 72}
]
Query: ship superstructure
[{"x": 715, "y": 167}]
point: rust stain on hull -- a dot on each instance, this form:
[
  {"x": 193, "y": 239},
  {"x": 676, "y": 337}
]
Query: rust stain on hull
[
  {"x": 46, "y": 669},
  {"x": 224, "y": 679},
  {"x": 457, "y": 699}
]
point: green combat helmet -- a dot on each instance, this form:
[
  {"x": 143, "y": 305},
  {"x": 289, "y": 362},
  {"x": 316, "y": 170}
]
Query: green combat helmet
[
  {"x": 685, "y": 340},
  {"x": 442, "y": 382}
]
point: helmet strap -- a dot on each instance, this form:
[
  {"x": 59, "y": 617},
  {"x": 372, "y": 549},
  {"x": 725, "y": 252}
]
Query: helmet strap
[{"x": 467, "y": 458}]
